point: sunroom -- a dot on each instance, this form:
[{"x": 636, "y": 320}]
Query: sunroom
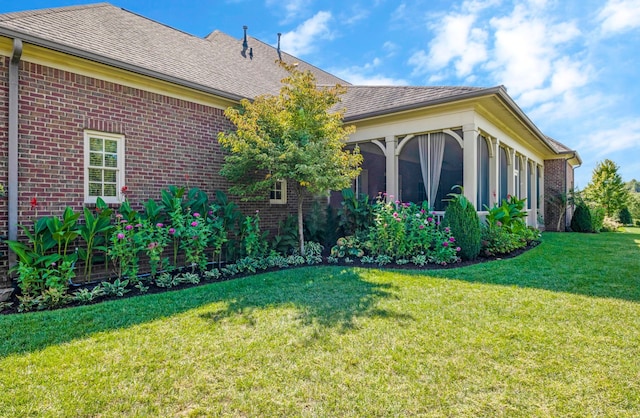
[{"x": 479, "y": 140}]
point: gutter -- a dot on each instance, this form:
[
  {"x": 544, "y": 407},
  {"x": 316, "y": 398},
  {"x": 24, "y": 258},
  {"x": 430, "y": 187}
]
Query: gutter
[{"x": 12, "y": 186}]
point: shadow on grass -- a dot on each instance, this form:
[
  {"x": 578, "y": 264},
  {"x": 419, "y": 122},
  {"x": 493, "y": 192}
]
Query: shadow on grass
[
  {"x": 329, "y": 296},
  {"x": 605, "y": 265}
]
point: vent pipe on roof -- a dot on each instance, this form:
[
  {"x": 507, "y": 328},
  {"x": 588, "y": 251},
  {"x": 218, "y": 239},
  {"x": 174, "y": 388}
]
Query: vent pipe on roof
[
  {"x": 250, "y": 53},
  {"x": 279, "y": 51},
  {"x": 245, "y": 44}
]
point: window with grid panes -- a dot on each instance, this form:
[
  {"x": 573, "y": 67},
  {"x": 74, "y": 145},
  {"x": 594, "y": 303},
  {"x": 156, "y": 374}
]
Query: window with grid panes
[{"x": 104, "y": 165}]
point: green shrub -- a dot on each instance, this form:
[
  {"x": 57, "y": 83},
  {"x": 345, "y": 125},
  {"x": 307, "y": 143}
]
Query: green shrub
[
  {"x": 625, "y": 216},
  {"x": 597, "y": 218},
  {"x": 582, "y": 220},
  {"x": 461, "y": 217}
]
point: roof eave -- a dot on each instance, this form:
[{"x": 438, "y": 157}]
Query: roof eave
[
  {"x": 419, "y": 105},
  {"x": 115, "y": 63}
]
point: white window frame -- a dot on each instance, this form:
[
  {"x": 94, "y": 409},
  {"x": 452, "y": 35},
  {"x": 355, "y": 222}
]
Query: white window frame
[
  {"x": 120, "y": 169},
  {"x": 280, "y": 186}
]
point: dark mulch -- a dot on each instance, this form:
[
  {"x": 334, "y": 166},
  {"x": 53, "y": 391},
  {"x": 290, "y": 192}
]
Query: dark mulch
[{"x": 155, "y": 289}]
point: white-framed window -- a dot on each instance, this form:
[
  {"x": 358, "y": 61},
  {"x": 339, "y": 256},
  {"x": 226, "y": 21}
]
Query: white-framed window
[
  {"x": 278, "y": 194},
  {"x": 104, "y": 166}
]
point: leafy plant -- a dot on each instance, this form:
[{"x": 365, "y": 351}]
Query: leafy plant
[
  {"x": 87, "y": 296},
  {"x": 94, "y": 232},
  {"x": 355, "y": 214},
  {"x": 116, "y": 288},
  {"x": 347, "y": 246}
]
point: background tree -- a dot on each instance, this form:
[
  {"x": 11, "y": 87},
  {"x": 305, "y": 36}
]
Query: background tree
[
  {"x": 297, "y": 136},
  {"x": 606, "y": 188}
]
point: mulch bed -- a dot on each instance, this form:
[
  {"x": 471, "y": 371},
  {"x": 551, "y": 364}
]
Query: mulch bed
[{"x": 155, "y": 289}]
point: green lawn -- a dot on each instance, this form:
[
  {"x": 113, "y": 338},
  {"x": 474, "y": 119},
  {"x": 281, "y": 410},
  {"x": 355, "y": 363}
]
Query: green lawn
[{"x": 553, "y": 332}]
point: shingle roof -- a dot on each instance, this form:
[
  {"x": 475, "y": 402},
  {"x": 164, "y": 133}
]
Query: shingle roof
[
  {"x": 108, "y": 33},
  {"x": 216, "y": 64},
  {"x": 557, "y": 146},
  {"x": 365, "y": 100}
]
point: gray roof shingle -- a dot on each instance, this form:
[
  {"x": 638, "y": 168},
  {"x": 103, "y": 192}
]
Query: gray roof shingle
[
  {"x": 133, "y": 42},
  {"x": 366, "y": 100}
]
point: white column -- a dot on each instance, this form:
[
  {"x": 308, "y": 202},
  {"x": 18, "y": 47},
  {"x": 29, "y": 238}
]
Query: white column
[
  {"x": 511, "y": 190},
  {"x": 494, "y": 171},
  {"x": 392, "y": 165},
  {"x": 470, "y": 162}
]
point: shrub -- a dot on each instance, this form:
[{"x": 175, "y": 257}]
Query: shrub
[
  {"x": 625, "y": 216},
  {"x": 597, "y": 218},
  {"x": 582, "y": 220},
  {"x": 462, "y": 218}
]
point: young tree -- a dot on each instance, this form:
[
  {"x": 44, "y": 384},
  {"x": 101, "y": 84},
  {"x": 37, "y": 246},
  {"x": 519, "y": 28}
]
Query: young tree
[
  {"x": 296, "y": 136},
  {"x": 606, "y": 188}
]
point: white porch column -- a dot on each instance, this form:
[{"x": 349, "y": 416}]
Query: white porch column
[
  {"x": 470, "y": 163},
  {"x": 511, "y": 153},
  {"x": 392, "y": 166},
  {"x": 494, "y": 171},
  {"x": 531, "y": 178}
]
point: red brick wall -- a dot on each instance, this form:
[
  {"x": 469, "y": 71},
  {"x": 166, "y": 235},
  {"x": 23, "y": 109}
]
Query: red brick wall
[
  {"x": 168, "y": 141},
  {"x": 558, "y": 179}
]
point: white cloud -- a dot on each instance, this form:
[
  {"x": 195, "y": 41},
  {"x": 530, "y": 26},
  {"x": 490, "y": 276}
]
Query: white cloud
[
  {"x": 301, "y": 40},
  {"x": 622, "y": 136},
  {"x": 526, "y": 48},
  {"x": 292, "y": 8},
  {"x": 366, "y": 75},
  {"x": 457, "y": 42},
  {"x": 619, "y": 15}
]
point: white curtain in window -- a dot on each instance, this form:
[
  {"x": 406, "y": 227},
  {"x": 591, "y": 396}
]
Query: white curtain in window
[
  {"x": 436, "y": 145},
  {"x": 423, "y": 148}
]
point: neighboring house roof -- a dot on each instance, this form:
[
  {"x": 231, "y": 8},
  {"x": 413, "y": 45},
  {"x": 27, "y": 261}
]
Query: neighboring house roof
[{"x": 217, "y": 64}]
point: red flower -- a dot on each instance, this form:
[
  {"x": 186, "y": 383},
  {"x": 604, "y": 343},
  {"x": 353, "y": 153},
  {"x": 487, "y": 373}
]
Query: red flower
[
  {"x": 124, "y": 189},
  {"x": 34, "y": 203}
]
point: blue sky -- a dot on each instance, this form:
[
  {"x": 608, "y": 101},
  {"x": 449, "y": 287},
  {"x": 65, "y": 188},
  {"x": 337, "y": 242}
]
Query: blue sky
[{"x": 572, "y": 65}]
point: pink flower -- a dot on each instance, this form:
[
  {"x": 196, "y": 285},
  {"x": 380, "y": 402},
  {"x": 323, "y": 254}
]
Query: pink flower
[
  {"x": 421, "y": 227},
  {"x": 422, "y": 211},
  {"x": 128, "y": 227},
  {"x": 196, "y": 215},
  {"x": 194, "y": 223},
  {"x": 397, "y": 202},
  {"x": 159, "y": 225},
  {"x": 395, "y": 214},
  {"x": 120, "y": 235},
  {"x": 430, "y": 219},
  {"x": 445, "y": 244},
  {"x": 447, "y": 229},
  {"x": 458, "y": 249},
  {"x": 452, "y": 239},
  {"x": 384, "y": 194},
  {"x": 172, "y": 231},
  {"x": 119, "y": 216},
  {"x": 210, "y": 212},
  {"x": 498, "y": 223},
  {"x": 152, "y": 245},
  {"x": 138, "y": 225}
]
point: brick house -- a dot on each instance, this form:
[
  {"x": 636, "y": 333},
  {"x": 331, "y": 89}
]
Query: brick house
[{"x": 95, "y": 97}]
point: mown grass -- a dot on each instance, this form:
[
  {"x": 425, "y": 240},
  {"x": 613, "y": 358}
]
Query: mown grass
[{"x": 553, "y": 332}]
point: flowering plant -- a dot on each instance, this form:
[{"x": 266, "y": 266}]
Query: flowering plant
[
  {"x": 195, "y": 238},
  {"x": 154, "y": 239}
]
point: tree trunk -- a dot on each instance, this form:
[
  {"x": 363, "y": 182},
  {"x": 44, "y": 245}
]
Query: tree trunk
[{"x": 299, "y": 192}]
